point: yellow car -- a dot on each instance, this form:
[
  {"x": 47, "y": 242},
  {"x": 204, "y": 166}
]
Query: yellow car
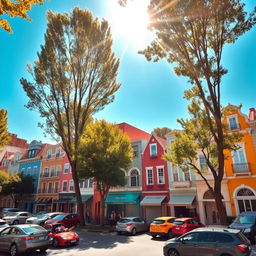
[{"x": 162, "y": 226}]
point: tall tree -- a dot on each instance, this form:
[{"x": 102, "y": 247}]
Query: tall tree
[
  {"x": 17, "y": 8},
  {"x": 17, "y": 187},
  {"x": 74, "y": 77},
  {"x": 161, "y": 132},
  {"x": 4, "y": 135},
  {"x": 4, "y": 178},
  {"x": 104, "y": 153},
  {"x": 192, "y": 35}
]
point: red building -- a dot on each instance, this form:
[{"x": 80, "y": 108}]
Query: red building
[{"x": 155, "y": 181}]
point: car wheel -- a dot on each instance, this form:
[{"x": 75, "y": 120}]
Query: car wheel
[
  {"x": 13, "y": 250},
  {"x": 43, "y": 250},
  {"x": 119, "y": 232},
  {"x": 173, "y": 252},
  {"x": 134, "y": 232},
  {"x": 153, "y": 236},
  {"x": 55, "y": 242},
  {"x": 16, "y": 222},
  {"x": 169, "y": 233}
]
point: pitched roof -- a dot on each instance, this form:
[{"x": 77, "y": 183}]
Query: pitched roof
[{"x": 133, "y": 132}]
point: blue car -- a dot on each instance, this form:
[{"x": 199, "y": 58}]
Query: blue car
[{"x": 246, "y": 222}]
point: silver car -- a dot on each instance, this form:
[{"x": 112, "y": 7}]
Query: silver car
[
  {"x": 41, "y": 218},
  {"x": 17, "y": 217},
  {"x": 23, "y": 238},
  {"x": 131, "y": 225}
]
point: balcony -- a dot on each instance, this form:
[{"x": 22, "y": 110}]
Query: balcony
[
  {"x": 182, "y": 184},
  {"x": 241, "y": 168}
]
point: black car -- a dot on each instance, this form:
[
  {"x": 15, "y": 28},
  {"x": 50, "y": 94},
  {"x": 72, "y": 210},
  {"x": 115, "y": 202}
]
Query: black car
[{"x": 209, "y": 241}]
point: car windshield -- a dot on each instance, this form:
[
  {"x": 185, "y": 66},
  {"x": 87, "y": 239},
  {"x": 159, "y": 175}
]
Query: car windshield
[
  {"x": 245, "y": 219},
  {"x": 59, "y": 217},
  {"x": 124, "y": 220},
  {"x": 34, "y": 230},
  {"x": 12, "y": 214},
  {"x": 178, "y": 222},
  {"x": 158, "y": 221},
  {"x": 39, "y": 215}
]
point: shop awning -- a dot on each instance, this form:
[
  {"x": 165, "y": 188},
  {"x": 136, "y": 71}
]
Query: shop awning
[
  {"x": 123, "y": 198},
  {"x": 152, "y": 200},
  {"x": 182, "y": 199},
  {"x": 84, "y": 199}
]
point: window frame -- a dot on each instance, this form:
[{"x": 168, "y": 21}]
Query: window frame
[
  {"x": 147, "y": 176},
  {"x": 157, "y": 170}
]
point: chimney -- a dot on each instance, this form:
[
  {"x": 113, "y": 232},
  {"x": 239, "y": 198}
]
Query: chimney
[{"x": 252, "y": 114}]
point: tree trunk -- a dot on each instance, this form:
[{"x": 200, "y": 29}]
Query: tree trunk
[
  {"x": 221, "y": 209},
  {"x": 80, "y": 207},
  {"x": 102, "y": 210}
]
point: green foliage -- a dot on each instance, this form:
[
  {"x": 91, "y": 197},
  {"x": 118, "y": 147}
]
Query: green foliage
[
  {"x": 161, "y": 132},
  {"x": 4, "y": 135},
  {"x": 6, "y": 179},
  {"x": 104, "y": 153}
]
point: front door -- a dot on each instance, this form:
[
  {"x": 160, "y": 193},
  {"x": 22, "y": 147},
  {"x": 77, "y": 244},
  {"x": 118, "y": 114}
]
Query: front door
[{"x": 211, "y": 215}]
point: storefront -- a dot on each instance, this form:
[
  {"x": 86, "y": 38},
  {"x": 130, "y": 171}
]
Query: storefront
[
  {"x": 87, "y": 202},
  {"x": 125, "y": 203},
  {"x": 154, "y": 206},
  {"x": 64, "y": 202}
]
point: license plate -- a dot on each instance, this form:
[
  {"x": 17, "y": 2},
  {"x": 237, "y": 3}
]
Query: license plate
[
  {"x": 42, "y": 237},
  {"x": 156, "y": 227},
  {"x": 177, "y": 228},
  {"x": 73, "y": 241}
]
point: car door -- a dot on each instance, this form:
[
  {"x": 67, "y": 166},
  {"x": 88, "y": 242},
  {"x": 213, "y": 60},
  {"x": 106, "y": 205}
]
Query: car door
[
  {"x": 207, "y": 243},
  {"x": 5, "y": 239},
  {"x": 22, "y": 217},
  {"x": 67, "y": 221},
  {"x": 138, "y": 224},
  {"x": 189, "y": 244}
]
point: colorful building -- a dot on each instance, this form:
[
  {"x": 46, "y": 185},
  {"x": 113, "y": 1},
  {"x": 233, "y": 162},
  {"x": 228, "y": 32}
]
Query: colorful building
[{"x": 155, "y": 179}]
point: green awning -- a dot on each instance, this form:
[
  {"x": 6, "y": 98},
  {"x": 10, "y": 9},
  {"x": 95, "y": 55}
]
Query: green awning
[
  {"x": 122, "y": 198},
  {"x": 84, "y": 199},
  {"x": 152, "y": 200},
  {"x": 182, "y": 199}
]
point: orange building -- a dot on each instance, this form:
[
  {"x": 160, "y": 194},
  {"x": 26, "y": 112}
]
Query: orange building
[
  {"x": 53, "y": 162},
  {"x": 240, "y": 165}
]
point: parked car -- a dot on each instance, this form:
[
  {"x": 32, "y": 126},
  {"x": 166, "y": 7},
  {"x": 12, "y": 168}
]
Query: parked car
[
  {"x": 209, "y": 241},
  {"x": 162, "y": 226},
  {"x": 5, "y": 211},
  {"x": 17, "y": 217},
  {"x": 23, "y": 238},
  {"x": 246, "y": 222},
  {"x": 61, "y": 236},
  {"x": 184, "y": 225},
  {"x": 67, "y": 219},
  {"x": 131, "y": 225},
  {"x": 40, "y": 218},
  {"x": 3, "y": 224}
]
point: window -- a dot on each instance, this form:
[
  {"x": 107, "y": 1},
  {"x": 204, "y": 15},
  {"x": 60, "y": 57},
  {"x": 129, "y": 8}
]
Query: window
[
  {"x": 51, "y": 171},
  {"x": 44, "y": 188},
  {"x": 71, "y": 185},
  {"x": 22, "y": 171},
  {"x": 187, "y": 175},
  {"x": 57, "y": 152},
  {"x": 64, "y": 186},
  {"x": 50, "y": 187},
  {"x": 56, "y": 187},
  {"x": 224, "y": 238},
  {"x": 206, "y": 237},
  {"x": 90, "y": 183},
  {"x": 134, "y": 178},
  {"x": 66, "y": 168},
  {"x": 233, "y": 123},
  {"x": 135, "y": 150},
  {"x": 29, "y": 171},
  {"x": 34, "y": 171},
  {"x": 46, "y": 172},
  {"x": 153, "y": 150},
  {"x": 160, "y": 175},
  {"x": 246, "y": 200},
  {"x": 49, "y": 153},
  {"x": 149, "y": 172},
  {"x": 202, "y": 163},
  {"x": 240, "y": 164},
  {"x": 192, "y": 237},
  {"x": 58, "y": 170},
  {"x": 175, "y": 173}
]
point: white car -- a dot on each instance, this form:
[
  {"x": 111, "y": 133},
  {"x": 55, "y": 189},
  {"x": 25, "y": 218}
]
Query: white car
[
  {"x": 3, "y": 224},
  {"x": 17, "y": 217},
  {"x": 41, "y": 218}
]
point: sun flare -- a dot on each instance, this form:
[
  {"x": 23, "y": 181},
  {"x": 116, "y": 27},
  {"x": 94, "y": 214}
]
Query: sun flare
[{"x": 130, "y": 22}]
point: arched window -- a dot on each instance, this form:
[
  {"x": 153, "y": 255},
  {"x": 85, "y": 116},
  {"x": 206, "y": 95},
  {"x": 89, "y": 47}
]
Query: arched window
[
  {"x": 134, "y": 176},
  {"x": 246, "y": 200}
]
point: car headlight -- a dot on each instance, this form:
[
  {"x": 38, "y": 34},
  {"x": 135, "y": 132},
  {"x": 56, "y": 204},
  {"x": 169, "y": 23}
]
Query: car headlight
[
  {"x": 247, "y": 230},
  {"x": 63, "y": 237}
]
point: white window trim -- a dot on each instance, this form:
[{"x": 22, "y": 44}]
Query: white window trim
[
  {"x": 233, "y": 116},
  {"x": 157, "y": 168},
  {"x": 150, "y": 168},
  {"x": 152, "y": 144},
  {"x": 241, "y": 145},
  {"x": 63, "y": 186},
  {"x": 59, "y": 148},
  {"x": 49, "y": 155},
  {"x": 29, "y": 171},
  {"x": 70, "y": 182}
]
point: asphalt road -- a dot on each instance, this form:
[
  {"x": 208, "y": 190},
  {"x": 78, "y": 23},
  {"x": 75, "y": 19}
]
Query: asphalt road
[{"x": 110, "y": 244}]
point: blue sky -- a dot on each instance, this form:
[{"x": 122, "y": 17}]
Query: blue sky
[{"x": 151, "y": 95}]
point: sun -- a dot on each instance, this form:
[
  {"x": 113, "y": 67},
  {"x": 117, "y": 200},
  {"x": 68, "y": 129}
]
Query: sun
[{"x": 131, "y": 22}]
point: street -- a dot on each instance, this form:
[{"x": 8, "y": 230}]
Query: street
[{"x": 109, "y": 244}]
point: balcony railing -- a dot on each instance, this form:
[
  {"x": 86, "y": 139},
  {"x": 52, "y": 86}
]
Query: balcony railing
[{"x": 240, "y": 168}]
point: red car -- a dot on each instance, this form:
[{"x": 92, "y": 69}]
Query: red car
[
  {"x": 61, "y": 236},
  {"x": 184, "y": 225},
  {"x": 67, "y": 219}
]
